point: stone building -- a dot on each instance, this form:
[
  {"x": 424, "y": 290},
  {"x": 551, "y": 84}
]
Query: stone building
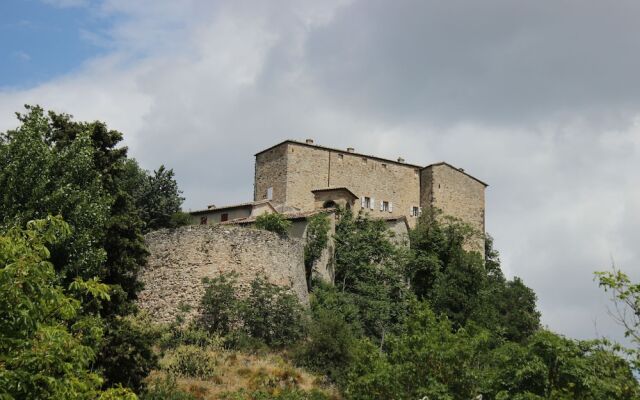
[{"x": 294, "y": 177}]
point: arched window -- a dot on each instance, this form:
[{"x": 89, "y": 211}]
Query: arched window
[{"x": 329, "y": 204}]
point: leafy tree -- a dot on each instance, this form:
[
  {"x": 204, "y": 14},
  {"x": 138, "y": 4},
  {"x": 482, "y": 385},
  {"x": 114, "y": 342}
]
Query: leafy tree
[
  {"x": 272, "y": 313},
  {"x": 273, "y": 222},
  {"x": 45, "y": 344},
  {"x": 626, "y": 299},
  {"x": 370, "y": 269},
  {"x": 316, "y": 241}
]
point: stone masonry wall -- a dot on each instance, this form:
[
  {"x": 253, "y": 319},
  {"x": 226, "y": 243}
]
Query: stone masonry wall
[
  {"x": 455, "y": 194},
  {"x": 309, "y": 168},
  {"x": 180, "y": 258},
  {"x": 271, "y": 171}
]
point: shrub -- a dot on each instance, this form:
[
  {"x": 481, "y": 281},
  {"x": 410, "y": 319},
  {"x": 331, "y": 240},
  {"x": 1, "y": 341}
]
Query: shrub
[
  {"x": 328, "y": 348},
  {"x": 317, "y": 239},
  {"x": 273, "y": 222},
  {"x": 127, "y": 356},
  {"x": 220, "y": 306},
  {"x": 271, "y": 313},
  {"x": 192, "y": 361}
]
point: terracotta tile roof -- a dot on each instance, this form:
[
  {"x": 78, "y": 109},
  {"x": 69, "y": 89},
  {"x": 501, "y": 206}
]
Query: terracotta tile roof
[
  {"x": 290, "y": 216},
  {"x": 239, "y": 205}
]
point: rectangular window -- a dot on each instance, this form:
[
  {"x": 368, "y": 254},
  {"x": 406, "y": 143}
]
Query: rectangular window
[
  {"x": 415, "y": 211},
  {"x": 224, "y": 217},
  {"x": 384, "y": 165},
  {"x": 269, "y": 193},
  {"x": 203, "y": 220},
  {"x": 384, "y": 206},
  {"x": 366, "y": 202},
  {"x": 340, "y": 156}
]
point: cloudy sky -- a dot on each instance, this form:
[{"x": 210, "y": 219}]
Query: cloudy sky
[{"x": 541, "y": 99}]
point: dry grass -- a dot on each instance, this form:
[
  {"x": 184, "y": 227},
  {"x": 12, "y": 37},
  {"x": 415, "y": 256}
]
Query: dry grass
[{"x": 235, "y": 370}]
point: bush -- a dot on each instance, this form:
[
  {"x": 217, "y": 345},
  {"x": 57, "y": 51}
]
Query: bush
[
  {"x": 192, "y": 361},
  {"x": 271, "y": 313},
  {"x": 126, "y": 356},
  {"x": 328, "y": 348},
  {"x": 220, "y": 306},
  {"x": 177, "y": 335},
  {"x": 273, "y": 222}
]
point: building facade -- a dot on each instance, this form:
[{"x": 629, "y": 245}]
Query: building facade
[{"x": 302, "y": 175}]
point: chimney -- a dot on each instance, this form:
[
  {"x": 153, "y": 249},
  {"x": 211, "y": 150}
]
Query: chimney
[
  {"x": 350, "y": 149},
  {"x": 400, "y": 159},
  {"x": 309, "y": 141}
]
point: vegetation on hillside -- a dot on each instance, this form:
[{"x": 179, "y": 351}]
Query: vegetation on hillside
[{"x": 430, "y": 320}]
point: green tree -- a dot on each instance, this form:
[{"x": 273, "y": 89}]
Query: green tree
[
  {"x": 273, "y": 222},
  {"x": 46, "y": 346},
  {"x": 370, "y": 270}
]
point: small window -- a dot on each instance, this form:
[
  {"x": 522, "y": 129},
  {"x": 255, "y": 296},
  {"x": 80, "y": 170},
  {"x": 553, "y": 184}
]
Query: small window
[
  {"x": 384, "y": 165},
  {"x": 415, "y": 211},
  {"x": 269, "y": 193},
  {"x": 224, "y": 217},
  {"x": 366, "y": 202},
  {"x": 384, "y": 206},
  {"x": 203, "y": 220},
  {"x": 340, "y": 156}
]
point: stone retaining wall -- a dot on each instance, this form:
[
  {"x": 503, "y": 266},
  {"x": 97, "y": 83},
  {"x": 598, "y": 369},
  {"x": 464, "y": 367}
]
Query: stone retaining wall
[{"x": 181, "y": 257}]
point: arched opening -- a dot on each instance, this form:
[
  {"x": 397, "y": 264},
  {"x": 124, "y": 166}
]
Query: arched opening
[{"x": 329, "y": 204}]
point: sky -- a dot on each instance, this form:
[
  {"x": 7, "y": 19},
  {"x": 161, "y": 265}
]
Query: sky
[{"x": 540, "y": 99}]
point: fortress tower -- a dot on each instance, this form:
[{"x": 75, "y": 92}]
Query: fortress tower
[{"x": 303, "y": 176}]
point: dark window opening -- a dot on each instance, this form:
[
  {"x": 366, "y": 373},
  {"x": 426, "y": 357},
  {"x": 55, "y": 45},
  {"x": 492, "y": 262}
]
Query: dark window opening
[
  {"x": 203, "y": 220},
  {"x": 329, "y": 204},
  {"x": 224, "y": 217}
]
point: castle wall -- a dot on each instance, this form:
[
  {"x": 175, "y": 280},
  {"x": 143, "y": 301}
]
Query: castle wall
[
  {"x": 214, "y": 216},
  {"x": 309, "y": 168},
  {"x": 398, "y": 184},
  {"x": 180, "y": 258},
  {"x": 271, "y": 172},
  {"x": 456, "y": 194}
]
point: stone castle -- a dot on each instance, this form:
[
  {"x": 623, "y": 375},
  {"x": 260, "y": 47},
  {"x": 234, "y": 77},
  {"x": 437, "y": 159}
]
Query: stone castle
[
  {"x": 295, "y": 177},
  {"x": 299, "y": 180}
]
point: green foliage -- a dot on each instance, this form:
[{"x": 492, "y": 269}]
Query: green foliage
[
  {"x": 273, "y": 222},
  {"x": 269, "y": 313},
  {"x": 272, "y": 313},
  {"x": 286, "y": 394},
  {"x": 127, "y": 354},
  {"x": 45, "y": 345},
  {"x": 317, "y": 240},
  {"x": 192, "y": 361},
  {"x": 626, "y": 298},
  {"x": 426, "y": 359},
  {"x": 370, "y": 269},
  {"x": 328, "y": 348},
  {"x": 220, "y": 306},
  {"x": 157, "y": 197},
  {"x": 165, "y": 389}
]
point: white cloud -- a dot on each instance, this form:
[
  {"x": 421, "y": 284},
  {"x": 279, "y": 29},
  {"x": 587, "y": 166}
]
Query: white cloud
[{"x": 538, "y": 102}]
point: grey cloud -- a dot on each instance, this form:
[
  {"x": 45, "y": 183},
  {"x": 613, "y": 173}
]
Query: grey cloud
[{"x": 537, "y": 98}]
